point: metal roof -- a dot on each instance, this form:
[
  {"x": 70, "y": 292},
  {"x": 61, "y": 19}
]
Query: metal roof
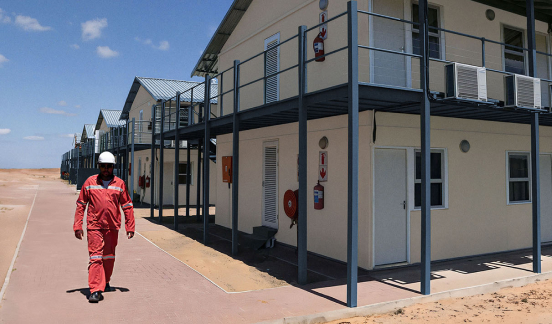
[
  {"x": 88, "y": 131},
  {"x": 208, "y": 61},
  {"x": 164, "y": 89},
  {"x": 111, "y": 118}
]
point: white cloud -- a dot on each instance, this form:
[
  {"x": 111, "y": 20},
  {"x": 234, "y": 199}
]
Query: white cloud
[
  {"x": 77, "y": 106},
  {"x": 67, "y": 135},
  {"x": 62, "y": 103},
  {"x": 48, "y": 110},
  {"x": 3, "y": 59},
  {"x": 163, "y": 45},
  {"x": 29, "y": 24},
  {"x": 74, "y": 46},
  {"x": 34, "y": 138},
  {"x": 93, "y": 28},
  {"x": 3, "y": 18},
  {"x": 106, "y": 52},
  {"x": 4, "y": 131}
]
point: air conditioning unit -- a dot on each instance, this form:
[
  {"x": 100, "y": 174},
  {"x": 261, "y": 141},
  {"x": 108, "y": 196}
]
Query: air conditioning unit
[
  {"x": 465, "y": 82},
  {"x": 522, "y": 91}
]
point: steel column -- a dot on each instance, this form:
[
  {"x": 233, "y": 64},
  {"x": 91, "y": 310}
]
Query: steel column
[
  {"x": 188, "y": 165},
  {"x": 352, "y": 192},
  {"x": 132, "y": 159},
  {"x": 425, "y": 151},
  {"x": 198, "y": 197},
  {"x": 206, "y": 164},
  {"x": 302, "y": 203},
  {"x": 535, "y": 165},
  {"x": 176, "y": 159},
  {"x": 161, "y": 160},
  {"x": 235, "y": 157},
  {"x": 152, "y": 164}
]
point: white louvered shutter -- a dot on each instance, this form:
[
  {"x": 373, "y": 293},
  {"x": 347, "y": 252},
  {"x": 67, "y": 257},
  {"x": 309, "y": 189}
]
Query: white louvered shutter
[
  {"x": 272, "y": 86},
  {"x": 270, "y": 184}
]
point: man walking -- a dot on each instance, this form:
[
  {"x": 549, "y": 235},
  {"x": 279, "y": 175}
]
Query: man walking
[{"x": 104, "y": 194}]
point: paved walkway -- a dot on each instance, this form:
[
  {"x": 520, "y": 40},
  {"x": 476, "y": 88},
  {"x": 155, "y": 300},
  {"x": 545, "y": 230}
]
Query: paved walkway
[{"x": 49, "y": 281}]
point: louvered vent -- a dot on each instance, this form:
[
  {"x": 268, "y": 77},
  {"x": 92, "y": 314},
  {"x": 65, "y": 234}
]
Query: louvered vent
[
  {"x": 272, "y": 65},
  {"x": 270, "y": 187},
  {"x": 522, "y": 91},
  {"x": 466, "y": 82}
]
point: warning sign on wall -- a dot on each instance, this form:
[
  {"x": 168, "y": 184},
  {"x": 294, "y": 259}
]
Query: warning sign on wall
[
  {"x": 323, "y": 28},
  {"x": 323, "y": 166}
]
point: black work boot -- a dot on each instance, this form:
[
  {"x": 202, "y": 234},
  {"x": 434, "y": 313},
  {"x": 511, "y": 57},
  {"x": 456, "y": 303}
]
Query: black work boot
[
  {"x": 95, "y": 297},
  {"x": 107, "y": 287}
]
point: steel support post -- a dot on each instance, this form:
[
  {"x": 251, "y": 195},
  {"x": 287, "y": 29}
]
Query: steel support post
[
  {"x": 352, "y": 192},
  {"x": 235, "y": 157},
  {"x": 198, "y": 196},
  {"x": 161, "y": 160},
  {"x": 302, "y": 203},
  {"x": 132, "y": 159},
  {"x": 535, "y": 165},
  {"x": 221, "y": 91},
  {"x": 425, "y": 151},
  {"x": 188, "y": 165},
  {"x": 176, "y": 159},
  {"x": 206, "y": 164},
  {"x": 152, "y": 164}
]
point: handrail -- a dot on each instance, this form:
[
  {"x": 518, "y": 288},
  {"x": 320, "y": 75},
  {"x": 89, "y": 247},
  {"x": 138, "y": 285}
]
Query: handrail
[{"x": 388, "y": 17}]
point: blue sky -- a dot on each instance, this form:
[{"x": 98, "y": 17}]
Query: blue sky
[{"x": 63, "y": 61}]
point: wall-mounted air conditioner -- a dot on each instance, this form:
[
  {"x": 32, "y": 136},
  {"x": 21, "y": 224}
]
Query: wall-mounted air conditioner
[
  {"x": 465, "y": 82},
  {"x": 522, "y": 91}
]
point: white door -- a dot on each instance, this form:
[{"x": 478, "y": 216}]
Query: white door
[
  {"x": 270, "y": 184},
  {"x": 389, "y": 69},
  {"x": 542, "y": 67},
  {"x": 546, "y": 197},
  {"x": 168, "y": 183},
  {"x": 390, "y": 219}
]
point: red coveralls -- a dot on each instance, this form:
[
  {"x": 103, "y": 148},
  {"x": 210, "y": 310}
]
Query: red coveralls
[{"x": 103, "y": 223}]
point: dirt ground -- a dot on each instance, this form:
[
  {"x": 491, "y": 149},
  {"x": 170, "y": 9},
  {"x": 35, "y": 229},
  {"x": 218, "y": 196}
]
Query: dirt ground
[
  {"x": 17, "y": 190},
  {"x": 527, "y": 304}
]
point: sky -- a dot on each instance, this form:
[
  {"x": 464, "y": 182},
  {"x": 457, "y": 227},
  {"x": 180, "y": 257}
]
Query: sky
[{"x": 63, "y": 61}]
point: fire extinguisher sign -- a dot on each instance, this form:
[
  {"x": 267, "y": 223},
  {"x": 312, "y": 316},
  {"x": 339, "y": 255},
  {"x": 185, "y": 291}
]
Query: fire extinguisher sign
[
  {"x": 323, "y": 166},
  {"x": 323, "y": 28}
]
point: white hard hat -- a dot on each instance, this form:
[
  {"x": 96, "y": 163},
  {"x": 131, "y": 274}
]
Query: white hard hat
[{"x": 106, "y": 157}]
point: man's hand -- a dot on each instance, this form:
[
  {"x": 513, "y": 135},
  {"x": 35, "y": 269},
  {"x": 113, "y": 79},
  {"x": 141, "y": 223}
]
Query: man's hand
[
  {"x": 78, "y": 234},
  {"x": 130, "y": 235}
]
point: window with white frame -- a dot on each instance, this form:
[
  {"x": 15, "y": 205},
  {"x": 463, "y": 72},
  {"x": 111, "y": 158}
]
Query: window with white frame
[
  {"x": 434, "y": 35},
  {"x": 519, "y": 174},
  {"x": 437, "y": 178},
  {"x": 182, "y": 173},
  {"x": 514, "y": 56}
]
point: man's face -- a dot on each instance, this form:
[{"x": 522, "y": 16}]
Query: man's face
[{"x": 106, "y": 171}]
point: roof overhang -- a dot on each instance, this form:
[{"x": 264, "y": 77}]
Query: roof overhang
[
  {"x": 543, "y": 8},
  {"x": 208, "y": 62}
]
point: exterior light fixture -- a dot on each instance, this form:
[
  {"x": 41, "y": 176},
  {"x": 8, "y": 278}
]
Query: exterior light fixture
[
  {"x": 323, "y": 143},
  {"x": 464, "y": 146},
  {"x": 323, "y": 4},
  {"x": 490, "y": 14}
]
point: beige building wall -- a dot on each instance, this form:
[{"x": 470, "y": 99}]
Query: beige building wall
[{"x": 477, "y": 219}]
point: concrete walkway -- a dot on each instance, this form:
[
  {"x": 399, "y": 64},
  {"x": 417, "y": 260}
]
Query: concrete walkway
[{"x": 49, "y": 281}]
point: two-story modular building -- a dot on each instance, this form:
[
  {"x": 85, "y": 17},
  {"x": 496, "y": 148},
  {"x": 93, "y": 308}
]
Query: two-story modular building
[
  {"x": 145, "y": 96},
  {"x": 482, "y": 175},
  {"x": 90, "y": 145}
]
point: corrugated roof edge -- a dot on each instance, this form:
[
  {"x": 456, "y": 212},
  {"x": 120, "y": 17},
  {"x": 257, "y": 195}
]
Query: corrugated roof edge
[{"x": 223, "y": 23}]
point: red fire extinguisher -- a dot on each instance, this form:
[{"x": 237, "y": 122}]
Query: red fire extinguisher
[
  {"x": 318, "y": 46},
  {"x": 319, "y": 196},
  {"x": 147, "y": 182}
]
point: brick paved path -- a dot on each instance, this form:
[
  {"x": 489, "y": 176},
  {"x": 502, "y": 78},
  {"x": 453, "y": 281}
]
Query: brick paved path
[{"x": 49, "y": 282}]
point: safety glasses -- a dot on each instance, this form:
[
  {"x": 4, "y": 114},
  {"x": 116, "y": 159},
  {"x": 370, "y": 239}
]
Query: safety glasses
[{"x": 106, "y": 166}]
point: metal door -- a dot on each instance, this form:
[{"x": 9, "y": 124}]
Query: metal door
[
  {"x": 390, "y": 219},
  {"x": 270, "y": 184}
]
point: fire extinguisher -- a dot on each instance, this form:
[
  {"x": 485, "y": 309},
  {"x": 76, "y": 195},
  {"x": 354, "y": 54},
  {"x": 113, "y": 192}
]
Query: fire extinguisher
[
  {"x": 318, "y": 46},
  {"x": 147, "y": 182},
  {"x": 319, "y": 196}
]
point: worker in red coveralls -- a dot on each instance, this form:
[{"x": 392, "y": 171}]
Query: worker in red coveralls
[{"x": 104, "y": 194}]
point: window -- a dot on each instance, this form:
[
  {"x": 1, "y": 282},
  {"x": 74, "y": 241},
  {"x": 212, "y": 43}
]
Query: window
[
  {"x": 434, "y": 37},
  {"x": 518, "y": 177},
  {"x": 514, "y": 57},
  {"x": 182, "y": 175},
  {"x": 272, "y": 65},
  {"x": 437, "y": 176}
]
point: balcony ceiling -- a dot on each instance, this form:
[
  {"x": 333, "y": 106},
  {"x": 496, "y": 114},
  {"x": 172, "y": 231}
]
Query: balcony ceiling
[{"x": 543, "y": 8}]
